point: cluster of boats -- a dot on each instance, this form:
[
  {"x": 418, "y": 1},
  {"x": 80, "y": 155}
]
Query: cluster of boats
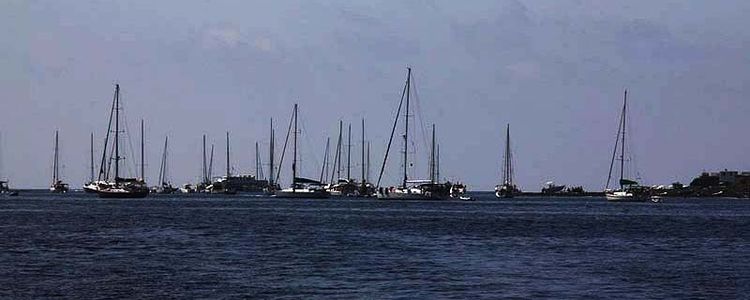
[{"x": 108, "y": 182}]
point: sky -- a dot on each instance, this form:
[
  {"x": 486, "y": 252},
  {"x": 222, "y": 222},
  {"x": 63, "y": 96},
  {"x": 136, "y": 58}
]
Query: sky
[{"x": 554, "y": 70}]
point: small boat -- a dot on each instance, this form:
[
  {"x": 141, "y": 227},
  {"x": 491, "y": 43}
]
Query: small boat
[
  {"x": 5, "y": 190},
  {"x": 58, "y": 186},
  {"x": 187, "y": 189},
  {"x": 301, "y": 187},
  {"x": 458, "y": 191},
  {"x": 630, "y": 190},
  {"x": 507, "y": 189}
]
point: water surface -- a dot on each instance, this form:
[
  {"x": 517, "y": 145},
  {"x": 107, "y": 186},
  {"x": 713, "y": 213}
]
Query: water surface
[{"x": 80, "y": 246}]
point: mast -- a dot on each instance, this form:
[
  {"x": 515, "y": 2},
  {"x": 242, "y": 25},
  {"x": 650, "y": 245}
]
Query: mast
[
  {"x": 393, "y": 131},
  {"x": 257, "y": 162},
  {"x": 368, "y": 162},
  {"x": 622, "y": 149},
  {"x": 117, "y": 132},
  {"x": 143, "y": 164},
  {"x": 294, "y": 159},
  {"x": 325, "y": 160},
  {"x": 338, "y": 152},
  {"x": 104, "y": 164},
  {"x": 205, "y": 170},
  {"x": 228, "y": 173},
  {"x": 163, "y": 166},
  {"x": 507, "y": 168},
  {"x": 432, "y": 156},
  {"x": 91, "y": 163},
  {"x": 437, "y": 165},
  {"x": 406, "y": 128},
  {"x": 364, "y": 179},
  {"x": 270, "y": 154},
  {"x": 55, "y": 174},
  {"x": 211, "y": 164},
  {"x": 349, "y": 156}
]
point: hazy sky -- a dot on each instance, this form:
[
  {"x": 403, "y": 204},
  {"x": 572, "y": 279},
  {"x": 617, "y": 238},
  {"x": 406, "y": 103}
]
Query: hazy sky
[{"x": 554, "y": 70}]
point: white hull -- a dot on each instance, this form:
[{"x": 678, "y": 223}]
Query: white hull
[
  {"x": 405, "y": 194},
  {"x": 302, "y": 193},
  {"x": 620, "y": 196}
]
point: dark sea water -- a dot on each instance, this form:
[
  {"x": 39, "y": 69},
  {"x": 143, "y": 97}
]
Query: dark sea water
[{"x": 79, "y": 246}]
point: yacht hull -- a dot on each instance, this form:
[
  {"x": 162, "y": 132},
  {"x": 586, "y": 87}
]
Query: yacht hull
[{"x": 301, "y": 194}]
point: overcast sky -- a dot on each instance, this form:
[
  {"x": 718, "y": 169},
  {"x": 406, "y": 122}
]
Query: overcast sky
[{"x": 554, "y": 70}]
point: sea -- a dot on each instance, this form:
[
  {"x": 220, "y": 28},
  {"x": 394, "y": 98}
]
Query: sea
[{"x": 243, "y": 246}]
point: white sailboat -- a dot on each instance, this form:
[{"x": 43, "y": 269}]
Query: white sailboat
[
  {"x": 423, "y": 189},
  {"x": 301, "y": 187},
  {"x": 58, "y": 186},
  {"x": 119, "y": 187},
  {"x": 630, "y": 190}
]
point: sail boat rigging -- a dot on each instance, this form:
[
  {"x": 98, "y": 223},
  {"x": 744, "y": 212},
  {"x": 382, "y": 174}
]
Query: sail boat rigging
[
  {"x": 411, "y": 189},
  {"x": 57, "y": 184},
  {"x": 165, "y": 186},
  {"x": 507, "y": 189},
  {"x": 300, "y": 187},
  {"x": 120, "y": 187},
  {"x": 630, "y": 190}
]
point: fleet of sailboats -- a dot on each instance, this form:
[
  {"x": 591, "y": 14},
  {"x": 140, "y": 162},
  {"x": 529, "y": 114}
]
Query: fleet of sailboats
[{"x": 108, "y": 183}]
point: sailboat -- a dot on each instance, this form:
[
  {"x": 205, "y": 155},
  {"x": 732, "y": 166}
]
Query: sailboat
[
  {"x": 165, "y": 186},
  {"x": 507, "y": 189},
  {"x": 4, "y": 188},
  {"x": 272, "y": 186},
  {"x": 630, "y": 190},
  {"x": 343, "y": 186},
  {"x": 57, "y": 184},
  {"x": 366, "y": 189},
  {"x": 301, "y": 187},
  {"x": 91, "y": 186},
  {"x": 429, "y": 189},
  {"x": 119, "y": 187}
]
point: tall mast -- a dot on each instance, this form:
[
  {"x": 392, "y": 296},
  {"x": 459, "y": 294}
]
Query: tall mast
[
  {"x": 437, "y": 164},
  {"x": 102, "y": 172},
  {"x": 432, "y": 156},
  {"x": 257, "y": 162},
  {"x": 622, "y": 149},
  {"x": 349, "y": 155},
  {"x": 228, "y": 173},
  {"x": 91, "y": 163},
  {"x": 507, "y": 176},
  {"x": 364, "y": 179},
  {"x": 117, "y": 131},
  {"x": 143, "y": 164},
  {"x": 393, "y": 131},
  {"x": 163, "y": 166},
  {"x": 205, "y": 170},
  {"x": 368, "y": 162},
  {"x": 325, "y": 160},
  {"x": 406, "y": 129},
  {"x": 55, "y": 175},
  {"x": 338, "y": 152},
  {"x": 211, "y": 164},
  {"x": 294, "y": 159},
  {"x": 270, "y": 154}
]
